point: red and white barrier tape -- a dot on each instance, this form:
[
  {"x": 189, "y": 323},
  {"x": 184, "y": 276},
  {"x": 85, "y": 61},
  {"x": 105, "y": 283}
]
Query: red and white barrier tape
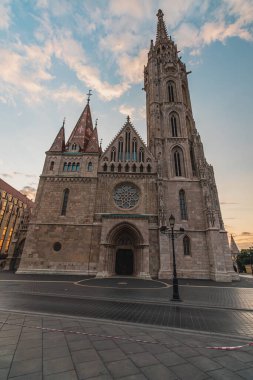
[{"x": 224, "y": 348}]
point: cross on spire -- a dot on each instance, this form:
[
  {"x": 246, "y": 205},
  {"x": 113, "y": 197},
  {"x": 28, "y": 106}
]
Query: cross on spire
[{"x": 89, "y": 95}]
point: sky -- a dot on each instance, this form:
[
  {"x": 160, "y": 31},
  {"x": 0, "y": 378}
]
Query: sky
[{"x": 54, "y": 51}]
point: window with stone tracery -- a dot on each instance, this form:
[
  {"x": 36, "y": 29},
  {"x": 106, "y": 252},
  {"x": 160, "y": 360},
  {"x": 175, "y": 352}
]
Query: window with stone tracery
[{"x": 126, "y": 195}]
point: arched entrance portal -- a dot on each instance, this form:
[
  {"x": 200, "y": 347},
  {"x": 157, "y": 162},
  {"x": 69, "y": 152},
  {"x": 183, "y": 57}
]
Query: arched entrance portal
[{"x": 124, "y": 253}]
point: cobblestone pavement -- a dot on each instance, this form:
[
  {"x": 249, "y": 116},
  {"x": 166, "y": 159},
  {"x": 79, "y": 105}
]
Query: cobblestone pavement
[{"x": 33, "y": 348}]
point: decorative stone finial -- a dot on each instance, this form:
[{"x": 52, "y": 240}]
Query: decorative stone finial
[
  {"x": 128, "y": 118},
  {"x": 159, "y": 14}
]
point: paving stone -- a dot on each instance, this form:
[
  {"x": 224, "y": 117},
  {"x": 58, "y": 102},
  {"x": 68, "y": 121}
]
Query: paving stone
[
  {"x": 5, "y": 360},
  {"x": 135, "y": 377},
  {"x": 204, "y": 363},
  {"x": 243, "y": 356},
  {"x": 158, "y": 371},
  {"x": 131, "y": 348},
  {"x": 25, "y": 367},
  {"x": 7, "y": 350},
  {"x": 28, "y": 343},
  {"x": 246, "y": 373},
  {"x": 83, "y": 356},
  {"x": 79, "y": 345},
  {"x": 104, "y": 344},
  {"x": 170, "y": 358},
  {"x": 8, "y": 333},
  {"x": 185, "y": 351},
  {"x": 143, "y": 359},
  {"x": 69, "y": 375},
  {"x": 31, "y": 376},
  {"x": 55, "y": 352},
  {"x": 224, "y": 374},
  {"x": 155, "y": 348},
  {"x": 91, "y": 369},
  {"x": 122, "y": 368},
  {"x": 230, "y": 362},
  {"x": 29, "y": 353},
  {"x": 4, "y": 373},
  {"x": 112, "y": 355},
  {"x": 57, "y": 365},
  {"x": 185, "y": 371}
]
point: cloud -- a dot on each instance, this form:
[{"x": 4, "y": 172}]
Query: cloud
[
  {"x": 247, "y": 233},
  {"x": 5, "y": 14},
  {"x": 126, "y": 110},
  {"x": 29, "y": 191},
  {"x": 6, "y": 175},
  {"x": 131, "y": 68}
]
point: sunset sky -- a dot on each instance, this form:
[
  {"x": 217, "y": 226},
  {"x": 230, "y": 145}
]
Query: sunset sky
[{"x": 53, "y": 51}]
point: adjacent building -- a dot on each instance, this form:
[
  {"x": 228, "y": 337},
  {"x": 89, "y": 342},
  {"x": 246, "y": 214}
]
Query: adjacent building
[
  {"x": 15, "y": 212},
  {"x": 100, "y": 212}
]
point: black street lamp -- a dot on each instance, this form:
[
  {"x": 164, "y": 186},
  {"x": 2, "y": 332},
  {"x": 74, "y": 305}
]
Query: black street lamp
[{"x": 172, "y": 234}]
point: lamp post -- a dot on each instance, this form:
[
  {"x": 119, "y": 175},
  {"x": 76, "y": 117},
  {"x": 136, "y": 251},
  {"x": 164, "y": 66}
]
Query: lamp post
[{"x": 172, "y": 234}]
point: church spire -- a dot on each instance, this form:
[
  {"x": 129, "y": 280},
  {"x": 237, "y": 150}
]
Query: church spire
[
  {"x": 161, "y": 34},
  {"x": 59, "y": 142},
  {"x": 83, "y": 129}
]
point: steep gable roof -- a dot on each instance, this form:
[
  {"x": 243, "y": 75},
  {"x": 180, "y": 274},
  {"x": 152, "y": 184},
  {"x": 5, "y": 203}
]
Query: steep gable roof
[
  {"x": 15, "y": 193},
  {"x": 128, "y": 124},
  {"x": 83, "y": 129}
]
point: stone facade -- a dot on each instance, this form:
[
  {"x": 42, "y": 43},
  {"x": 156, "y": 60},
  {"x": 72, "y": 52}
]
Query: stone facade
[{"x": 100, "y": 213}]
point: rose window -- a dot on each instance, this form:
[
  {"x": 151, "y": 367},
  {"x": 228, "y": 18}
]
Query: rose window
[{"x": 126, "y": 195}]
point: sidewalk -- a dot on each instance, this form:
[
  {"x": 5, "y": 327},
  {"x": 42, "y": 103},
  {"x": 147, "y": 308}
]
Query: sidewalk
[{"x": 33, "y": 348}]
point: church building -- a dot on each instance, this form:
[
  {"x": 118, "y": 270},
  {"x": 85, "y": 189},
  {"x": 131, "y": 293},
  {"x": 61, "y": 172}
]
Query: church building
[{"x": 100, "y": 212}]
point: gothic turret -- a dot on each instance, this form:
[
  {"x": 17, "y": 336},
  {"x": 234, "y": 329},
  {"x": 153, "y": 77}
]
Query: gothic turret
[{"x": 59, "y": 142}]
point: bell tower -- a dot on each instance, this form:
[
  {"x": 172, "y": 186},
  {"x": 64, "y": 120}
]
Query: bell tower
[{"x": 185, "y": 181}]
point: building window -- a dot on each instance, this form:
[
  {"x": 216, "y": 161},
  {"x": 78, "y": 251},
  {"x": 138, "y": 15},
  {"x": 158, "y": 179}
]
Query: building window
[
  {"x": 192, "y": 155},
  {"x": 149, "y": 168},
  {"x": 73, "y": 167},
  {"x": 141, "y": 168},
  {"x": 134, "y": 150},
  {"x": 69, "y": 167},
  {"x": 127, "y": 146},
  {"x": 120, "y": 150},
  {"x": 184, "y": 95},
  {"x": 182, "y": 202},
  {"x": 57, "y": 246},
  {"x": 113, "y": 154},
  {"x": 65, "y": 167},
  {"x": 178, "y": 162},
  {"x": 119, "y": 168},
  {"x": 74, "y": 146},
  {"x": 187, "y": 246},
  {"x": 105, "y": 167},
  {"x": 141, "y": 154},
  {"x": 174, "y": 129},
  {"x": 134, "y": 168},
  {"x": 90, "y": 167},
  {"x": 112, "y": 168},
  {"x": 127, "y": 168},
  {"x": 51, "y": 165},
  {"x": 78, "y": 167},
  {"x": 171, "y": 91},
  {"x": 65, "y": 201}
]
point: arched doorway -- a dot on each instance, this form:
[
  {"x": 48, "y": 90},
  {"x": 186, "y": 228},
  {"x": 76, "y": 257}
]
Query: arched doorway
[{"x": 124, "y": 252}]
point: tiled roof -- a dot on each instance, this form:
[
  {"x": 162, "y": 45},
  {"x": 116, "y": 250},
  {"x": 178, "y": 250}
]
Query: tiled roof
[{"x": 15, "y": 193}]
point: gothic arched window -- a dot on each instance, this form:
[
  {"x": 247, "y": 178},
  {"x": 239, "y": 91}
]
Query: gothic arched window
[
  {"x": 134, "y": 149},
  {"x": 134, "y": 168},
  {"x": 127, "y": 145},
  {"x": 184, "y": 95},
  {"x": 69, "y": 167},
  {"x": 112, "y": 168},
  {"x": 192, "y": 156},
  {"x": 174, "y": 125},
  {"x": 74, "y": 146},
  {"x": 187, "y": 246},
  {"x": 149, "y": 168},
  {"x": 51, "y": 165},
  {"x": 119, "y": 168},
  {"x": 182, "y": 203},
  {"x": 120, "y": 150},
  {"x": 77, "y": 167},
  {"x": 141, "y": 154},
  {"x": 90, "y": 167},
  {"x": 141, "y": 168},
  {"x": 178, "y": 162},
  {"x": 105, "y": 167},
  {"x": 171, "y": 91},
  {"x": 73, "y": 167},
  {"x": 127, "y": 168},
  {"x": 113, "y": 154},
  {"x": 65, "y": 201},
  {"x": 65, "y": 167}
]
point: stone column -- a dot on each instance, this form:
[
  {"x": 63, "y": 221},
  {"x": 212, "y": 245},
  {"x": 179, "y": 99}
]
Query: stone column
[{"x": 144, "y": 267}]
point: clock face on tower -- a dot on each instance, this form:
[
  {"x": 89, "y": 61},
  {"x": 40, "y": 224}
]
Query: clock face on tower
[{"x": 126, "y": 195}]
